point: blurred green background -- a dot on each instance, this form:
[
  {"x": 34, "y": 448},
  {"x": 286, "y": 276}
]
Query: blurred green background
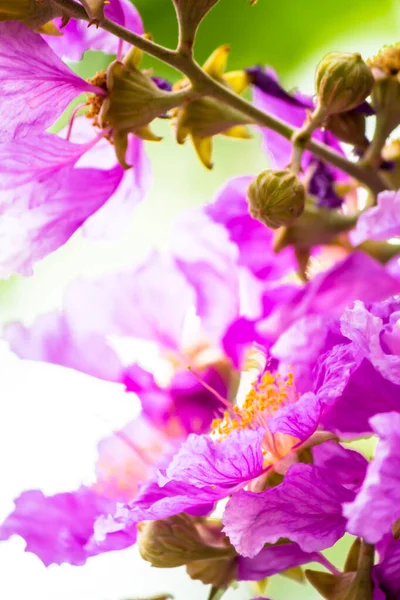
[{"x": 290, "y": 35}]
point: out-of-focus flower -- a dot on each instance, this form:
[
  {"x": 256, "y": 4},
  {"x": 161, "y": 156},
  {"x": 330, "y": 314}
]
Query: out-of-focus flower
[
  {"x": 380, "y": 222},
  {"x": 76, "y": 37}
]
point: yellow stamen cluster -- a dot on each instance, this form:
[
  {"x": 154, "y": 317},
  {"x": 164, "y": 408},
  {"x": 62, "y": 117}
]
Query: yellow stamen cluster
[
  {"x": 264, "y": 398},
  {"x": 387, "y": 60},
  {"x": 93, "y": 101}
]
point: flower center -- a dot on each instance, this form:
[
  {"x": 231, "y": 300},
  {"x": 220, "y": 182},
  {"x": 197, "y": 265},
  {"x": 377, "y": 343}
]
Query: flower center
[
  {"x": 268, "y": 395},
  {"x": 94, "y": 102}
]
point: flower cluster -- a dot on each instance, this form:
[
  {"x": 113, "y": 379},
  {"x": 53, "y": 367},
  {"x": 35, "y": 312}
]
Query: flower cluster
[{"x": 262, "y": 342}]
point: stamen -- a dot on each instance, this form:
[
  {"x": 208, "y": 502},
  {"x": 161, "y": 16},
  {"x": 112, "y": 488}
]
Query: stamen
[
  {"x": 210, "y": 389},
  {"x": 72, "y": 119}
]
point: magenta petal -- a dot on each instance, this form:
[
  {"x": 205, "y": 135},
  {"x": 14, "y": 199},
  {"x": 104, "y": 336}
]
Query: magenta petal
[
  {"x": 78, "y": 37},
  {"x": 35, "y": 85},
  {"x": 209, "y": 262},
  {"x": 205, "y": 462},
  {"x": 51, "y": 338},
  {"x": 36, "y": 157},
  {"x": 306, "y": 508},
  {"x": 128, "y": 303},
  {"x": 346, "y": 466},
  {"x": 300, "y": 419},
  {"x": 114, "y": 217},
  {"x": 388, "y": 569},
  {"x": 377, "y": 505},
  {"x": 60, "y": 528},
  {"x": 365, "y": 329},
  {"x": 43, "y": 216},
  {"x": 254, "y": 240},
  {"x": 380, "y": 222},
  {"x": 273, "y": 560}
]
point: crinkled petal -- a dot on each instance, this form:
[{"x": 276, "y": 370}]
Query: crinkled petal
[
  {"x": 51, "y": 338},
  {"x": 227, "y": 463},
  {"x": 380, "y": 222},
  {"x": 377, "y": 505},
  {"x": 44, "y": 215},
  {"x": 300, "y": 419},
  {"x": 352, "y": 391},
  {"x": 347, "y": 467},
  {"x": 365, "y": 330},
  {"x": 78, "y": 37},
  {"x": 35, "y": 85},
  {"x": 59, "y": 528},
  {"x": 305, "y": 508},
  {"x": 272, "y": 560},
  {"x": 253, "y": 239}
]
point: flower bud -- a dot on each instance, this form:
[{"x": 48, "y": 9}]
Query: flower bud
[
  {"x": 175, "y": 541},
  {"x": 385, "y": 96},
  {"x": 216, "y": 572},
  {"x": 276, "y": 198},
  {"x": 31, "y": 13},
  {"x": 343, "y": 81},
  {"x": 349, "y": 127}
]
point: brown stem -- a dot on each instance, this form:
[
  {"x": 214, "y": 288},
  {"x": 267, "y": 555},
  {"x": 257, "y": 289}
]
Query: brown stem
[{"x": 205, "y": 85}]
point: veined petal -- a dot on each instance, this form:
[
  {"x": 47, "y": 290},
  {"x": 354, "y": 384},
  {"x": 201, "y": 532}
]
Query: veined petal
[
  {"x": 377, "y": 505},
  {"x": 347, "y": 467},
  {"x": 42, "y": 216},
  {"x": 207, "y": 463},
  {"x": 306, "y": 508},
  {"x": 300, "y": 419},
  {"x": 35, "y": 85}
]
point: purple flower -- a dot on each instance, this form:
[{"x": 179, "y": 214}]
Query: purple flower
[
  {"x": 77, "y": 37},
  {"x": 305, "y": 508},
  {"x": 347, "y": 467},
  {"x": 379, "y": 222},
  {"x": 387, "y": 572},
  {"x": 272, "y": 560},
  {"x": 60, "y": 528},
  {"x": 377, "y": 505}
]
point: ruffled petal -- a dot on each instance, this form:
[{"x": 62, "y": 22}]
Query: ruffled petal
[
  {"x": 347, "y": 467},
  {"x": 300, "y": 419},
  {"x": 208, "y": 463},
  {"x": 377, "y": 505},
  {"x": 306, "y": 508},
  {"x": 273, "y": 560}
]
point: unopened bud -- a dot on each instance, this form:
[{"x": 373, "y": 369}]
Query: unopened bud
[
  {"x": 349, "y": 127},
  {"x": 174, "y": 542},
  {"x": 385, "y": 96},
  {"x": 216, "y": 572},
  {"x": 343, "y": 81},
  {"x": 31, "y": 13},
  {"x": 276, "y": 198}
]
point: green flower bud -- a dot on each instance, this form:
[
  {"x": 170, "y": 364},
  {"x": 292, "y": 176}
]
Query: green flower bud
[
  {"x": 343, "y": 81},
  {"x": 276, "y": 198},
  {"x": 349, "y": 127},
  {"x": 175, "y": 541},
  {"x": 216, "y": 572},
  {"x": 32, "y": 13}
]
